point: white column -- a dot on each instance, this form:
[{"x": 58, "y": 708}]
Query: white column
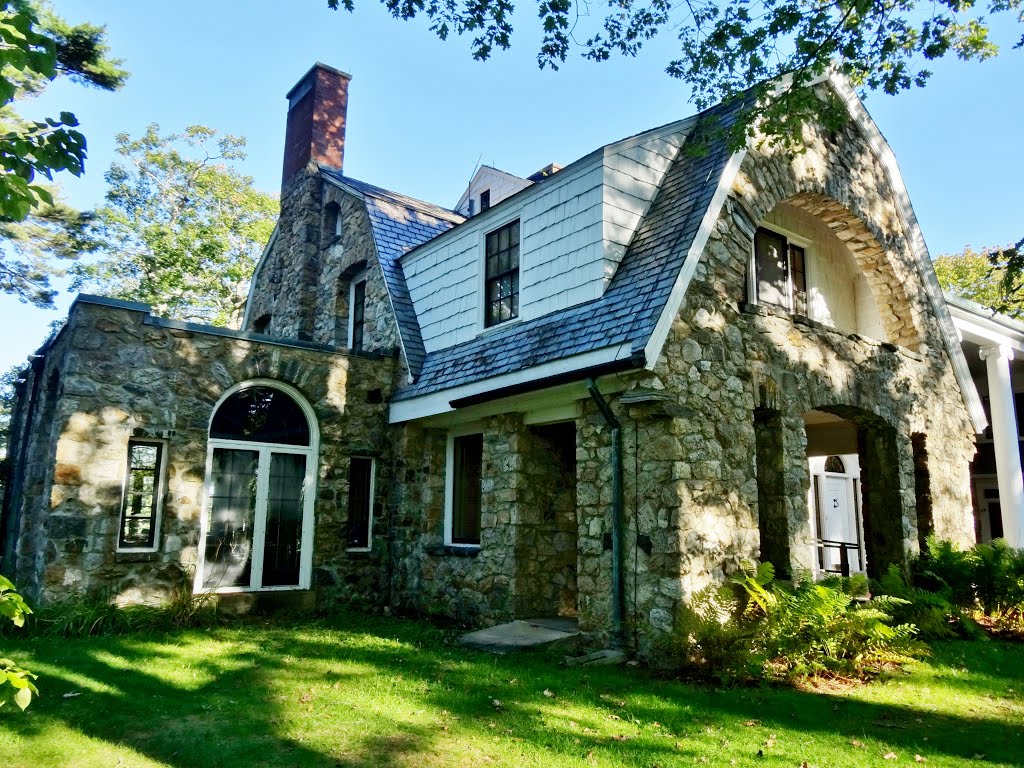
[{"x": 1004, "y": 434}]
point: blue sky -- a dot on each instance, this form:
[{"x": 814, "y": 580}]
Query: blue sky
[{"x": 422, "y": 113}]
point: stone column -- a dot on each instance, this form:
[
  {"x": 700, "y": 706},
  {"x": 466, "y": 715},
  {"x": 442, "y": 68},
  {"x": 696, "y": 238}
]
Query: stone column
[{"x": 1004, "y": 434}]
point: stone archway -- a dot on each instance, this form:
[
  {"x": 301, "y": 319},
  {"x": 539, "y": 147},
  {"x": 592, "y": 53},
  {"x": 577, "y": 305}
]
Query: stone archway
[{"x": 874, "y": 539}]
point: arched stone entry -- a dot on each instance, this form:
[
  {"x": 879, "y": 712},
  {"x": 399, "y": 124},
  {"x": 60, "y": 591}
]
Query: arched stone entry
[{"x": 857, "y": 515}]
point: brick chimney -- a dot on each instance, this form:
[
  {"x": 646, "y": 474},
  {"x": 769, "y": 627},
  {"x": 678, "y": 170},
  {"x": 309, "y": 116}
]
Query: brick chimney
[{"x": 316, "y": 120}]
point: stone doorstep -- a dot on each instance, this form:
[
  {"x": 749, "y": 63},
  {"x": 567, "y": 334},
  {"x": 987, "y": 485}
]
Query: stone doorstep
[{"x": 521, "y": 634}]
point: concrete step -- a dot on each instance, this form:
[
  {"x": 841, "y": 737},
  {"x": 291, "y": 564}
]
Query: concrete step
[{"x": 521, "y": 634}]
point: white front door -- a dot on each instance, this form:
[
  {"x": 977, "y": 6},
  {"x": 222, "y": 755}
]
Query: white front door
[{"x": 839, "y": 521}]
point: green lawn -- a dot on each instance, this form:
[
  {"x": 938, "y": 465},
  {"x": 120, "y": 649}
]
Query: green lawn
[{"x": 361, "y": 691}]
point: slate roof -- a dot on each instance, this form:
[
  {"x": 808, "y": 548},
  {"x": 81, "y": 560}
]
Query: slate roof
[
  {"x": 629, "y": 309},
  {"x": 399, "y": 224}
]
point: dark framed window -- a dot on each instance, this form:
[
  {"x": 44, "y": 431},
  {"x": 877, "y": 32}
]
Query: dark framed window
[
  {"x": 261, "y": 415},
  {"x": 781, "y": 272},
  {"x": 360, "y": 502},
  {"x": 502, "y": 275},
  {"x": 485, "y": 200},
  {"x": 358, "y": 310},
  {"x": 141, "y": 497},
  {"x": 467, "y": 476}
]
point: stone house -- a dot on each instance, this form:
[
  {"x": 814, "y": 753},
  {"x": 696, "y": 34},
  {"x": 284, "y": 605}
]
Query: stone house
[{"x": 587, "y": 393}]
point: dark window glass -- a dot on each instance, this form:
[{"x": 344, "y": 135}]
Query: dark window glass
[
  {"x": 360, "y": 473},
  {"x": 332, "y": 221},
  {"x": 772, "y": 268},
  {"x": 835, "y": 464},
  {"x": 260, "y": 415},
  {"x": 138, "y": 516},
  {"x": 358, "y": 314},
  {"x": 502, "y": 274},
  {"x": 283, "y": 539},
  {"x": 798, "y": 270},
  {"x": 261, "y": 324},
  {"x": 232, "y": 514},
  {"x": 485, "y": 200},
  {"x": 468, "y": 473}
]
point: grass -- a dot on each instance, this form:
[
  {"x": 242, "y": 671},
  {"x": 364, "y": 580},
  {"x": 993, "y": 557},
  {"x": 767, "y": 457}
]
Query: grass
[{"x": 363, "y": 691}]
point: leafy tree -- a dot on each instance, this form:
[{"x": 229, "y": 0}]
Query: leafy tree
[
  {"x": 775, "y": 49},
  {"x": 36, "y": 46},
  {"x": 182, "y": 227},
  {"x": 15, "y": 683},
  {"x": 982, "y": 276}
]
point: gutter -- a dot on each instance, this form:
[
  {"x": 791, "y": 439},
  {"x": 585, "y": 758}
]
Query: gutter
[{"x": 618, "y": 522}]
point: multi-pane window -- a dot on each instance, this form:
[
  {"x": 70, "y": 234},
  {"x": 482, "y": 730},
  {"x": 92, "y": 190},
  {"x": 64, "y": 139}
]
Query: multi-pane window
[
  {"x": 357, "y": 308},
  {"x": 467, "y": 473},
  {"x": 141, "y": 497},
  {"x": 360, "y": 502},
  {"x": 781, "y": 272},
  {"x": 502, "y": 275}
]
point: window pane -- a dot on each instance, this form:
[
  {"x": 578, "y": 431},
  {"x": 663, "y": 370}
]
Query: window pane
[
  {"x": 468, "y": 472},
  {"x": 358, "y": 314},
  {"x": 283, "y": 543},
  {"x": 230, "y": 518},
  {"x": 799, "y": 273},
  {"x": 359, "y": 501},
  {"x": 772, "y": 270},
  {"x": 502, "y": 274},
  {"x": 263, "y": 415},
  {"x": 138, "y": 511}
]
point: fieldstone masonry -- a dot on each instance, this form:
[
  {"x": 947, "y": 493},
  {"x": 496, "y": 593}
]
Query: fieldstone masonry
[{"x": 714, "y": 436}]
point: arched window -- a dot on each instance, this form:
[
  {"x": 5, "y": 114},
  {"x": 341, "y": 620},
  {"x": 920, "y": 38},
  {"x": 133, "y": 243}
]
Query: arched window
[
  {"x": 257, "y": 527},
  {"x": 835, "y": 464}
]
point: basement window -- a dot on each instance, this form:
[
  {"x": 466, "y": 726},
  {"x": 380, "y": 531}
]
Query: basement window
[
  {"x": 140, "y": 510},
  {"x": 360, "y": 503},
  {"x": 502, "y": 275},
  {"x": 780, "y": 269},
  {"x": 465, "y": 476}
]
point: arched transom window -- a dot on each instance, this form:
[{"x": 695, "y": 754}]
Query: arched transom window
[{"x": 257, "y": 527}]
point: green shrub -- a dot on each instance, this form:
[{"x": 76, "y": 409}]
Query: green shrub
[
  {"x": 15, "y": 682},
  {"x": 757, "y": 627}
]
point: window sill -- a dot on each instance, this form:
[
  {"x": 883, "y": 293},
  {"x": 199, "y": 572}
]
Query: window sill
[
  {"x": 490, "y": 329},
  {"x": 359, "y": 552},
  {"x": 454, "y": 550},
  {"x": 766, "y": 310},
  {"x": 136, "y": 556}
]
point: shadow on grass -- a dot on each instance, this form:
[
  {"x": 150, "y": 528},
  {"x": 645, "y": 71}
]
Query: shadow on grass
[{"x": 397, "y": 693}]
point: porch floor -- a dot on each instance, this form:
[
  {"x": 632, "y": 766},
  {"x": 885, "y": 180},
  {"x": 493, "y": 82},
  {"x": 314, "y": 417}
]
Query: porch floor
[{"x": 521, "y": 634}]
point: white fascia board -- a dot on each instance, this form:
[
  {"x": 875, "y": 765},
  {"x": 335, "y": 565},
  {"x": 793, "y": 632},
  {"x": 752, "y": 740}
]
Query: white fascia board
[
  {"x": 652, "y": 351},
  {"x": 437, "y": 403},
  {"x": 982, "y": 330},
  {"x": 256, "y": 271},
  {"x": 918, "y": 247}
]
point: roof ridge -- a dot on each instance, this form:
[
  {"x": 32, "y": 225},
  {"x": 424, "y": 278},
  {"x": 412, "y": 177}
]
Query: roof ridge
[{"x": 364, "y": 187}]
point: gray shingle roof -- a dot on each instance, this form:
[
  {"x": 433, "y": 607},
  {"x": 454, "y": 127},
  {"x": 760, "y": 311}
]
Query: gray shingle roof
[
  {"x": 399, "y": 224},
  {"x": 629, "y": 309}
]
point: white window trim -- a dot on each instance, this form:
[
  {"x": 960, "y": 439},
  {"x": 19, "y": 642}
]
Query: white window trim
[
  {"x": 481, "y": 320},
  {"x": 813, "y": 502},
  {"x": 359, "y": 277},
  {"x": 160, "y": 490},
  {"x": 373, "y": 496},
  {"x": 449, "y": 481},
  {"x": 312, "y": 453},
  {"x": 791, "y": 239}
]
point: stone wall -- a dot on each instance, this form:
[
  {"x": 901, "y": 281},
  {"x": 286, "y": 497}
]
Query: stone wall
[
  {"x": 115, "y": 373},
  {"x": 302, "y": 287}
]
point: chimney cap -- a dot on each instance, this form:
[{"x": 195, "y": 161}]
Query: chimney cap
[{"x": 311, "y": 70}]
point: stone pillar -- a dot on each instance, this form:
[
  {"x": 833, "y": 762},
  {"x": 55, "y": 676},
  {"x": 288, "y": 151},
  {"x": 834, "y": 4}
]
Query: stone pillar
[{"x": 1004, "y": 434}]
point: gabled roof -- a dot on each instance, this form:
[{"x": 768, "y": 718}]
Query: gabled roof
[
  {"x": 399, "y": 223},
  {"x": 626, "y": 315}
]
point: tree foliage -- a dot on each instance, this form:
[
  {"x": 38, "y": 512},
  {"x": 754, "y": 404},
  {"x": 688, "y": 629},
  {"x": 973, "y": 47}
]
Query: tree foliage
[
  {"x": 984, "y": 276},
  {"x": 15, "y": 683},
  {"x": 776, "y": 48},
  {"x": 182, "y": 227},
  {"x": 36, "y": 46}
]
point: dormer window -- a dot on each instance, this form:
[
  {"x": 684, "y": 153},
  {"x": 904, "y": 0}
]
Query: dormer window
[
  {"x": 485, "y": 200},
  {"x": 501, "y": 287},
  {"x": 780, "y": 272}
]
